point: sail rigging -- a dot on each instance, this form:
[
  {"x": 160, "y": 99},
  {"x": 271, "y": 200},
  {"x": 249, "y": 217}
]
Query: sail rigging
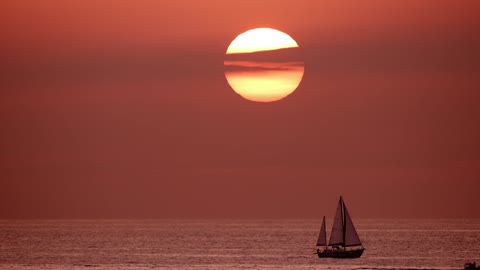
[{"x": 343, "y": 232}]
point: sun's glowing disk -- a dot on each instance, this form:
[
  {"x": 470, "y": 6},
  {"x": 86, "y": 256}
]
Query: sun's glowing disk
[
  {"x": 260, "y": 39},
  {"x": 263, "y": 65}
]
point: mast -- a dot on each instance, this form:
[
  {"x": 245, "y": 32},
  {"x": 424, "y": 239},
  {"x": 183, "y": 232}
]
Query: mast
[{"x": 344, "y": 221}]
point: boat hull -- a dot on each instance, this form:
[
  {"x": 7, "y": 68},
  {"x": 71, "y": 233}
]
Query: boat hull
[{"x": 341, "y": 254}]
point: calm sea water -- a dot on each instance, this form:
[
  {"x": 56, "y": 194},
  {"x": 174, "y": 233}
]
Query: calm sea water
[{"x": 231, "y": 244}]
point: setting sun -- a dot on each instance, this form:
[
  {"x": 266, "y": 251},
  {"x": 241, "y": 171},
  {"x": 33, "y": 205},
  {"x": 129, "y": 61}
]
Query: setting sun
[
  {"x": 261, "y": 39},
  {"x": 263, "y": 65}
]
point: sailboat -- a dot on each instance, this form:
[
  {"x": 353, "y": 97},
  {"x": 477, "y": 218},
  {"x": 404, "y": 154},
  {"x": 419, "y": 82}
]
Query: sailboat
[{"x": 344, "y": 241}]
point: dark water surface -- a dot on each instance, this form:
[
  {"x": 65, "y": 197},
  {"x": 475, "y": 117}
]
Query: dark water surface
[{"x": 231, "y": 244}]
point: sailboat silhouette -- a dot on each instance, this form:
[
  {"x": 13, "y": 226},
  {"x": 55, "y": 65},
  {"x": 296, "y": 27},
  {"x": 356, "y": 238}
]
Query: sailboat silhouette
[{"x": 344, "y": 241}]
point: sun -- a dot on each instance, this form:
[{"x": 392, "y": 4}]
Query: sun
[
  {"x": 263, "y": 65},
  {"x": 261, "y": 39}
]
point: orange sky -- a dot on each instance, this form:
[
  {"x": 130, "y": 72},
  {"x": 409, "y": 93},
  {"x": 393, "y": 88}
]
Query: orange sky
[{"x": 121, "y": 109}]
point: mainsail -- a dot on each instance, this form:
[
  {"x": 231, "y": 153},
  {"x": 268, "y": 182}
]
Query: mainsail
[
  {"x": 343, "y": 232},
  {"x": 322, "y": 237},
  {"x": 336, "y": 235}
]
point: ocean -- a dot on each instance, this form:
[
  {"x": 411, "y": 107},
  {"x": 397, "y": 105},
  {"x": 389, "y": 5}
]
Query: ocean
[{"x": 232, "y": 244}]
